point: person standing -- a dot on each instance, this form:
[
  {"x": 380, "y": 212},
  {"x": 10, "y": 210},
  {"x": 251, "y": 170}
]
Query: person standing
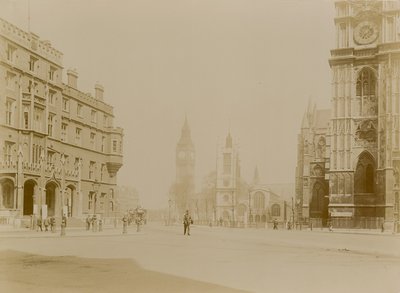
[
  {"x": 39, "y": 224},
  {"x": 46, "y": 224},
  {"x": 125, "y": 224},
  {"x": 88, "y": 221},
  {"x": 187, "y": 221},
  {"x": 275, "y": 224}
]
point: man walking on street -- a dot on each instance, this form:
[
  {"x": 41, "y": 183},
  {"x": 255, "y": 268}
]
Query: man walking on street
[{"x": 187, "y": 220}]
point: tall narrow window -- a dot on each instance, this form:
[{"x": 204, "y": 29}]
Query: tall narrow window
[
  {"x": 79, "y": 110},
  {"x": 50, "y": 123},
  {"x": 93, "y": 116},
  {"x": 32, "y": 63},
  {"x": 390, "y": 29},
  {"x": 7, "y": 151},
  {"x": 52, "y": 72},
  {"x": 64, "y": 128},
  {"x": 92, "y": 166},
  {"x": 103, "y": 144},
  {"x": 114, "y": 146},
  {"x": 11, "y": 53},
  {"x": 78, "y": 132},
  {"x": 65, "y": 106},
  {"x": 26, "y": 119},
  {"x": 93, "y": 140},
  {"x": 52, "y": 97},
  {"x": 9, "y": 111},
  {"x": 38, "y": 123}
]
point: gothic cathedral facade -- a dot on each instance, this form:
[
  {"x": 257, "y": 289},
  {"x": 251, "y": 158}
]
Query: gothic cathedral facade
[{"x": 348, "y": 167}]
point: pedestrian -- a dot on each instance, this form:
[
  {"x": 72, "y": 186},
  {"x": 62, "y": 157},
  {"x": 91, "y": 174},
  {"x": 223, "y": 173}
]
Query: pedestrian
[
  {"x": 46, "y": 224},
  {"x": 100, "y": 225},
  {"x": 275, "y": 223},
  {"x": 94, "y": 223},
  {"x": 125, "y": 224},
  {"x": 53, "y": 224},
  {"x": 187, "y": 221},
  {"x": 63, "y": 225},
  {"x": 39, "y": 224},
  {"x": 88, "y": 221}
]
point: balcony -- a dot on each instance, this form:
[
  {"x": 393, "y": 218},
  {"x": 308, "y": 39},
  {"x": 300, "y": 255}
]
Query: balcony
[{"x": 114, "y": 163}]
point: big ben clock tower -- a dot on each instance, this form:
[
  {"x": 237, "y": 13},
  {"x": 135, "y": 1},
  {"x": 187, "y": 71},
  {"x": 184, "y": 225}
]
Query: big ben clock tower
[
  {"x": 364, "y": 159},
  {"x": 185, "y": 163}
]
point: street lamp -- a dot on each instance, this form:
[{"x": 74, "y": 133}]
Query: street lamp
[
  {"x": 169, "y": 211},
  {"x": 96, "y": 187},
  {"x": 250, "y": 217}
]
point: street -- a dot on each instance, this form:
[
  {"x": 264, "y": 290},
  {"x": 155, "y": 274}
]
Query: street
[{"x": 210, "y": 260}]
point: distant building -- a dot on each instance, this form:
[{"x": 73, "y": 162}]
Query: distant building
[
  {"x": 60, "y": 152},
  {"x": 228, "y": 182},
  {"x": 349, "y": 156},
  {"x": 127, "y": 199},
  {"x": 182, "y": 192}
]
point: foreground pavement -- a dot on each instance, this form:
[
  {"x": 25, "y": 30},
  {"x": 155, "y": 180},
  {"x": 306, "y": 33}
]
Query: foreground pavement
[{"x": 255, "y": 260}]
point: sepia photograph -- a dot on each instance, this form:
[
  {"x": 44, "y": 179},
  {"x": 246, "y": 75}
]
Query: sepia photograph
[{"x": 200, "y": 146}]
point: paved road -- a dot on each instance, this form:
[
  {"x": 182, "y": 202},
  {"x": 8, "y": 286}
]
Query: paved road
[{"x": 254, "y": 260}]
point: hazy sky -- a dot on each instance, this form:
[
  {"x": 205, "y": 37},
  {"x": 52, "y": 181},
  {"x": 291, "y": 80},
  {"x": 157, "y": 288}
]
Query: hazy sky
[{"x": 245, "y": 65}]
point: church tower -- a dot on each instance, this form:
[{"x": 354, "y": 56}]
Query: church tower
[
  {"x": 365, "y": 106},
  {"x": 228, "y": 176},
  {"x": 185, "y": 163}
]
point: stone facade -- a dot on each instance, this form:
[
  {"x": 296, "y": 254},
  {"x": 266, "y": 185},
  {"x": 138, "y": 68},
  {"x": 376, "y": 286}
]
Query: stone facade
[
  {"x": 356, "y": 182},
  {"x": 59, "y": 150}
]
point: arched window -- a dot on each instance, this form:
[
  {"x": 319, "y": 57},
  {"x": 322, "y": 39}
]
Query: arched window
[
  {"x": 366, "y": 92},
  {"x": 259, "y": 200},
  {"x": 276, "y": 210}
]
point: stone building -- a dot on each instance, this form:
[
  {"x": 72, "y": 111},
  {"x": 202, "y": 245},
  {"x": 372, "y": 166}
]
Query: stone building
[
  {"x": 60, "y": 152},
  {"x": 348, "y": 174}
]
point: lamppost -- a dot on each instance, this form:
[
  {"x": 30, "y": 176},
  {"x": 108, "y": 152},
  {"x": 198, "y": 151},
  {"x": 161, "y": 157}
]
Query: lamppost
[
  {"x": 250, "y": 217},
  {"x": 298, "y": 207},
  {"x": 169, "y": 211}
]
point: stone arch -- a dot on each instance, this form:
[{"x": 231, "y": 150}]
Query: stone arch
[
  {"x": 70, "y": 200},
  {"x": 7, "y": 194},
  {"x": 319, "y": 203},
  {"x": 52, "y": 198},
  {"x": 365, "y": 172},
  {"x": 30, "y": 193},
  {"x": 258, "y": 219}
]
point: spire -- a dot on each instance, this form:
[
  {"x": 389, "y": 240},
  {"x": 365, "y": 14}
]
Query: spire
[
  {"x": 185, "y": 134},
  {"x": 228, "y": 142}
]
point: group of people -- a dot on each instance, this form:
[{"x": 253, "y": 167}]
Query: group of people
[
  {"x": 94, "y": 222},
  {"x": 47, "y": 222}
]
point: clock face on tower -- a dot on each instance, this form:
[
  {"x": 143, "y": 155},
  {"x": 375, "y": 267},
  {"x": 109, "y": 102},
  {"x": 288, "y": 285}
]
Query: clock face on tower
[{"x": 365, "y": 32}]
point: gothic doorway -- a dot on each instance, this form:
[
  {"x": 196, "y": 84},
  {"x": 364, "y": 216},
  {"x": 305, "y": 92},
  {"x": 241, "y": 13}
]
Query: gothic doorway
[
  {"x": 319, "y": 204},
  {"x": 51, "y": 191},
  {"x": 364, "y": 186},
  {"x": 29, "y": 193}
]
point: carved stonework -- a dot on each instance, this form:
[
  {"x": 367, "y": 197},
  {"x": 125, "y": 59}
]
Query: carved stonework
[
  {"x": 317, "y": 171},
  {"x": 366, "y": 131},
  {"x": 320, "y": 149}
]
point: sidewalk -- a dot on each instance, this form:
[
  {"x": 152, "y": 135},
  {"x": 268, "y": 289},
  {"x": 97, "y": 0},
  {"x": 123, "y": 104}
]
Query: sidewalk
[{"x": 10, "y": 232}]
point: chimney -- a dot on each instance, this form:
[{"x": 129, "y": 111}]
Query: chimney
[
  {"x": 98, "y": 91},
  {"x": 72, "y": 78}
]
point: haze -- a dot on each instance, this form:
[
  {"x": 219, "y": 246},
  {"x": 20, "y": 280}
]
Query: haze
[{"x": 245, "y": 66}]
